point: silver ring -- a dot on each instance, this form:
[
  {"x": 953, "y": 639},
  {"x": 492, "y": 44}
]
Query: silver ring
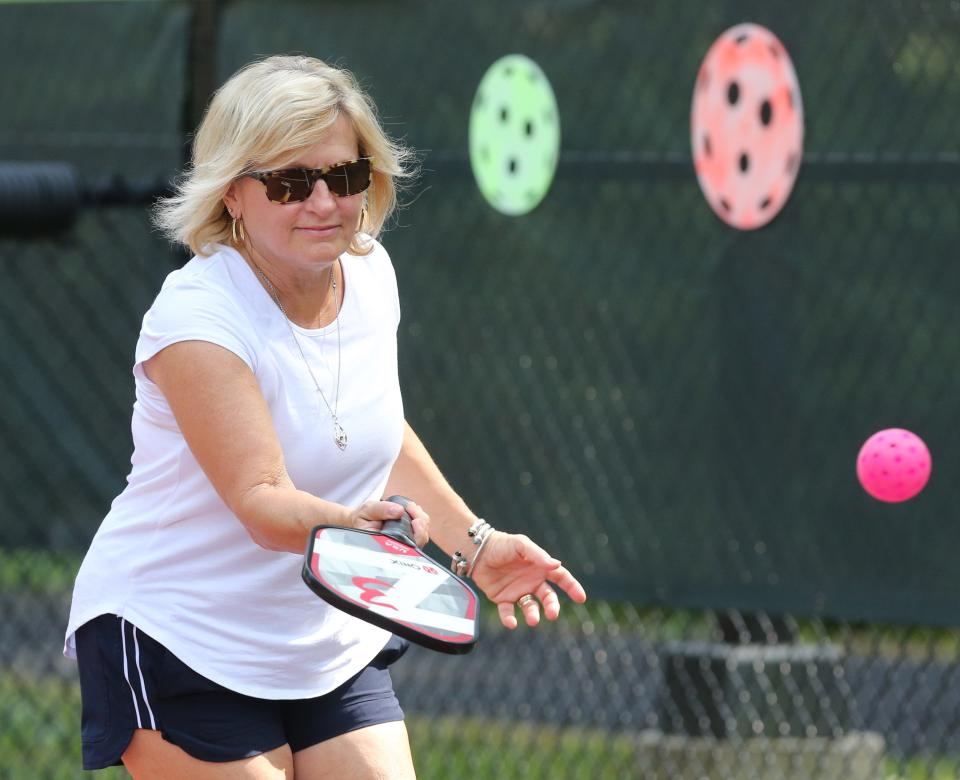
[{"x": 525, "y": 599}]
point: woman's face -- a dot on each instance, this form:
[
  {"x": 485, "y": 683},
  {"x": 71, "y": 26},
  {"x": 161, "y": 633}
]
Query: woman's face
[{"x": 301, "y": 236}]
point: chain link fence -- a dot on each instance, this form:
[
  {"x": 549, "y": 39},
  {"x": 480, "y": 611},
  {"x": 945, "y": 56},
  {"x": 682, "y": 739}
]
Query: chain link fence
[{"x": 670, "y": 406}]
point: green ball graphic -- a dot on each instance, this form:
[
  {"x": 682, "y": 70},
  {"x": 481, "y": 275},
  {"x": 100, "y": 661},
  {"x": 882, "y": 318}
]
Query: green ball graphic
[{"x": 514, "y": 135}]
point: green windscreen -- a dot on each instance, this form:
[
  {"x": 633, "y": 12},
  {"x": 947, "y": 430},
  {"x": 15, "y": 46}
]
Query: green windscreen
[{"x": 673, "y": 407}]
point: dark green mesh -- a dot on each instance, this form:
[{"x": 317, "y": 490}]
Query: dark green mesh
[{"x": 670, "y": 406}]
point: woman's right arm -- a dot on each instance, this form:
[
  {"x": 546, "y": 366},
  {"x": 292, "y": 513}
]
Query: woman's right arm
[{"x": 225, "y": 421}]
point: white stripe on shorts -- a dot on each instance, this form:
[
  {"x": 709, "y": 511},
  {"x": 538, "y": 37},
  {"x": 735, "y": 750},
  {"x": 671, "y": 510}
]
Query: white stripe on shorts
[
  {"x": 126, "y": 673},
  {"x": 143, "y": 685}
]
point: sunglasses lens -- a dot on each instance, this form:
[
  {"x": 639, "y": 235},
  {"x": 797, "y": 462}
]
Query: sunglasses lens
[
  {"x": 349, "y": 178},
  {"x": 295, "y": 184},
  {"x": 288, "y": 187}
]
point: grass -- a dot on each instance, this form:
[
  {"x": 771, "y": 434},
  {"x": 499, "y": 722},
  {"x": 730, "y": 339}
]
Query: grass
[
  {"x": 40, "y": 741},
  {"x": 40, "y": 737},
  {"x": 39, "y": 716},
  {"x": 483, "y": 748},
  {"x": 478, "y": 748},
  {"x": 922, "y": 769}
]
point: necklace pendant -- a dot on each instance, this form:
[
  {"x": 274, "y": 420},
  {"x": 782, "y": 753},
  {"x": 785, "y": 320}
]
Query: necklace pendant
[{"x": 339, "y": 435}]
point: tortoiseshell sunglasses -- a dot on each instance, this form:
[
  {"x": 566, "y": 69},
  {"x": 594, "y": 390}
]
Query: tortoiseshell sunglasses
[{"x": 294, "y": 185}]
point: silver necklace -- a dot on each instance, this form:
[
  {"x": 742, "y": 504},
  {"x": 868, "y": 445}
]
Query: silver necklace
[{"x": 339, "y": 435}]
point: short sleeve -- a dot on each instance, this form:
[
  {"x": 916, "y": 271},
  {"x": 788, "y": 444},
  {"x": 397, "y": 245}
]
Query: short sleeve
[{"x": 190, "y": 311}]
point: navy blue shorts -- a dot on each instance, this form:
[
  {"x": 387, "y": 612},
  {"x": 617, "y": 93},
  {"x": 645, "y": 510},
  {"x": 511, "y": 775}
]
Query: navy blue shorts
[{"x": 129, "y": 680}]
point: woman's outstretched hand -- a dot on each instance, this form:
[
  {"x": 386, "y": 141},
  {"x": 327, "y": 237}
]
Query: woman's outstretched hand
[{"x": 514, "y": 567}]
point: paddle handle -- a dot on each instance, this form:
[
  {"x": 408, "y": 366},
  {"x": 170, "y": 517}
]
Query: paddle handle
[{"x": 401, "y": 528}]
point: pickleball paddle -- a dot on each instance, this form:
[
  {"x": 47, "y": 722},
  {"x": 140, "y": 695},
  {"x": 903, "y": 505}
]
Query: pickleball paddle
[{"x": 382, "y": 577}]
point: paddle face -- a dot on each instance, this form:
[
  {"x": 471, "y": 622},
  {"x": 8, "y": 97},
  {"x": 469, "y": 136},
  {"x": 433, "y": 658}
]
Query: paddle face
[{"x": 384, "y": 578}]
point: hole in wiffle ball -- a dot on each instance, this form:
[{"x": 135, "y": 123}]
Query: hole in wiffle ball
[
  {"x": 765, "y": 203},
  {"x": 707, "y": 149},
  {"x": 744, "y": 163},
  {"x": 725, "y": 205},
  {"x": 742, "y": 39},
  {"x": 504, "y": 114},
  {"x": 512, "y": 165},
  {"x": 766, "y": 113},
  {"x": 733, "y": 93}
]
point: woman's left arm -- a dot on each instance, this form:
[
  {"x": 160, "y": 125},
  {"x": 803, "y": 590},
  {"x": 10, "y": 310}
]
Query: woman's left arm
[{"x": 511, "y": 565}]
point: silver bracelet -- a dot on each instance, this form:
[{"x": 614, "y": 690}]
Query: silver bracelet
[
  {"x": 478, "y": 531},
  {"x": 483, "y": 541},
  {"x": 459, "y": 564}
]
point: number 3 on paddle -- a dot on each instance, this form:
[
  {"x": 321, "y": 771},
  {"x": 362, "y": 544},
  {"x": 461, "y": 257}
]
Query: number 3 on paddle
[
  {"x": 370, "y": 594},
  {"x": 382, "y": 577}
]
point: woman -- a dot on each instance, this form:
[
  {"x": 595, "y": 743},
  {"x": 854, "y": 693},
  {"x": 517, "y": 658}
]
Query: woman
[{"x": 267, "y": 402}]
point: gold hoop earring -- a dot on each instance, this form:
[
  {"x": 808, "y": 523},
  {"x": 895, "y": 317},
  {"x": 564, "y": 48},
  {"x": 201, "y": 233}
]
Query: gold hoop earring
[{"x": 236, "y": 228}]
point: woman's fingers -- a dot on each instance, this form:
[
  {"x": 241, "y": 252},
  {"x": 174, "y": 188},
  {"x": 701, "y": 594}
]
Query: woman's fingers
[
  {"x": 420, "y": 521},
  {"x": 367, "y": 516},
  {"x": 530, "y": 606},
  {"x": 550, "y": 601},
  {"x": 507, "y": 617},
  {"x": 371, "y": 515},
  {"x": 568, "y": 584}
]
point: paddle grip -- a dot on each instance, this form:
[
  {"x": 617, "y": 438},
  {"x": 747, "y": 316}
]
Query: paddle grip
[{"x": 402, "y": 527}]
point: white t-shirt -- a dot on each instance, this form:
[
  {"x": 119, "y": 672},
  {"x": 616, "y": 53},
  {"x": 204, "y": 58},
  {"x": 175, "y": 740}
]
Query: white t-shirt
[{"x": 172, "y": 559}]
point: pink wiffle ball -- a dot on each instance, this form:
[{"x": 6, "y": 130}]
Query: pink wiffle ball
[
  {"x": 893, "y": 465},
  {"x": 746, "y": 126}
]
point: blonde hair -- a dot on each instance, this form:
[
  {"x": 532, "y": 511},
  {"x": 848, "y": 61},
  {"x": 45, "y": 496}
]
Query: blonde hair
[{"x": 267, "y": 113}]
